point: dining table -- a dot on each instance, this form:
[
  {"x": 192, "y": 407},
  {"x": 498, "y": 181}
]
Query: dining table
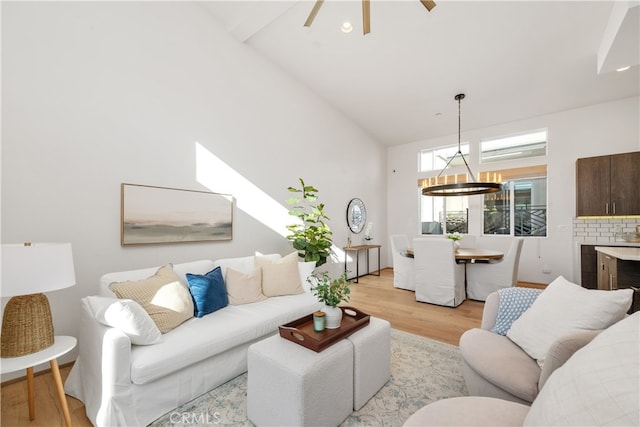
[{"x": 472, "y": 255}]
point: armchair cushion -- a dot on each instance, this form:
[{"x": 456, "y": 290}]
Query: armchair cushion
[{"x": 564, "y": 308}]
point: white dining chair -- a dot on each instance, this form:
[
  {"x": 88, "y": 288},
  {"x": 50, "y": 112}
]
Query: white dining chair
[
  {"x": 402, "y": 265},
  {"x": 484, "y": 278},
  {"x": 438, "y": 278}
]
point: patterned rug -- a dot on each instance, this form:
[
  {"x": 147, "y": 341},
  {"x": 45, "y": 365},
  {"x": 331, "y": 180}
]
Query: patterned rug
[{"x": 422, "y": 371}]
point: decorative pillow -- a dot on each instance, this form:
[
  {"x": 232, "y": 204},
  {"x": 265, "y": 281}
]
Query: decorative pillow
[
  {"x": 280, "y": 277},
  {"x": 128, "y": 317},
  {"x": 512, "y": 303},
  {"x": 162, "y": 295},
  {"x": 598, "y": 385},
  {"x": 563, "y": 308},
  {"x": 208, "y": 291},
  {"x": 244, "y": 288}
]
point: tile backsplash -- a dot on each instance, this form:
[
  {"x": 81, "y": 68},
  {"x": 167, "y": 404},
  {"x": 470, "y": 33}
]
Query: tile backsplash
[{"x": 606, "y": 230}]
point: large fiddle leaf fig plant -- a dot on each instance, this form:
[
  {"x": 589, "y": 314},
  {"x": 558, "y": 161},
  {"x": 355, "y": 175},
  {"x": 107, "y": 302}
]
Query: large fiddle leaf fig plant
[{"x": 311, "y": 237}]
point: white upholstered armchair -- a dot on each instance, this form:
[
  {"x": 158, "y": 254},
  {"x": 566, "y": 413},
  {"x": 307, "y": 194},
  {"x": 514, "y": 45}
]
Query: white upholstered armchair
[
  {"x": 438, "y": 278},
  {"x": 402, "y": 265},
  {"x": 482, "y": 279}
]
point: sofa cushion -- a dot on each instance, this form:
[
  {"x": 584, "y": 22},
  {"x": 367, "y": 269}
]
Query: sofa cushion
[
  {"x": 564, "y": 308},
  {"x": 201, "y": 338},
  {"x": 127, "y": 316},
  {"x": 280, "y": 277},
  {"x": 244, "y": 288},
  {"x": 242, "y": 264},
  {"x": 208, "y": 291},
  {"x": 162, "y": 295},
  {"x": 598, "y": 385},
  {"x": 498, "y": 360}
]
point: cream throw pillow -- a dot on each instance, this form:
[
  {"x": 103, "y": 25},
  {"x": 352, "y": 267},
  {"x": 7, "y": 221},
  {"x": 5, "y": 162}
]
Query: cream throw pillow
[
  {"x": 244, "y": 288},
  {"x": 564, "y": 308},
  {"x": 280, "y": 277},
  {"x": 162, "y": 295}
]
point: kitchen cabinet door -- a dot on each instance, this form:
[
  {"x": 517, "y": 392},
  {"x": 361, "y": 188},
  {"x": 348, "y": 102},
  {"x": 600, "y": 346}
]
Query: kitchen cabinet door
[
  {"x": 625, "y": 182},
  {"x": 593, "y": 181}
]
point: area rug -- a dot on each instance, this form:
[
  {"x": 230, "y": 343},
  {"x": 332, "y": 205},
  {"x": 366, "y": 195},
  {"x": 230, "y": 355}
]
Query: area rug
[{"x": 422, "y": 371}]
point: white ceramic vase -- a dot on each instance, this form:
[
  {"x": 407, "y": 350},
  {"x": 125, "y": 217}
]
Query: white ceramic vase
[{"x": 333, "y": 316}]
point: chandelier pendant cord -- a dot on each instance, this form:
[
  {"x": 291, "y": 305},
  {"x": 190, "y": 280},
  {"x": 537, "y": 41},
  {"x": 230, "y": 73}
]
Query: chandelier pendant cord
[{"x": 473, "y": 178}]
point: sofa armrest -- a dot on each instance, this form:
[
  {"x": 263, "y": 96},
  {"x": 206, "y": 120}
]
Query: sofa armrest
[
  {"x": 561, "y": 350},
  {"x": 103, "y": 366},
  {"x": 490, "y": 311}
]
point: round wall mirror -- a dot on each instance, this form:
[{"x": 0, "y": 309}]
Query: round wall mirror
[{"x": 356, "y": 215}]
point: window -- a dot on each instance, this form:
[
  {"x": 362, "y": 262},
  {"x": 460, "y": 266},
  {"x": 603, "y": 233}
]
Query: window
[
  {"x": 440, "y": 215},
  {"x": 437, "y": 159},
  {"x": 521, "y": 146},
  {"x": 520, "y": 209}
]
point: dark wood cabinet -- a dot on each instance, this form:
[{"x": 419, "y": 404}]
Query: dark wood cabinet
[
  {"x": 608, "y": 185},
  {"x": 589, "y": 266}
]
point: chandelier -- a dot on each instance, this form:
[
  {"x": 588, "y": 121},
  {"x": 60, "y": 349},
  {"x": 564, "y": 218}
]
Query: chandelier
[{"x": 440, "y": 187}]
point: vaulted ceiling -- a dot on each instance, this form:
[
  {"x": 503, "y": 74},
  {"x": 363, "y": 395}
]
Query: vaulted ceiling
[{"x": 512, "y": 59}]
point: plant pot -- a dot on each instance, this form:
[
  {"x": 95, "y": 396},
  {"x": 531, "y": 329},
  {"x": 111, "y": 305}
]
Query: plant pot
[{"x": 333, "y": 316}]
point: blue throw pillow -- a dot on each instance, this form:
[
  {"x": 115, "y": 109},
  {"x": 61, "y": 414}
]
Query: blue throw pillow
[
  {"x": 513, "y": 302},
  {"x": 208, "y": 292}
]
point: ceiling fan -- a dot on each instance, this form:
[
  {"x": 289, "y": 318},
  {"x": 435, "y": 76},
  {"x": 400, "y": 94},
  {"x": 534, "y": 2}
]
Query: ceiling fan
[{"x": 366, "y": 19}]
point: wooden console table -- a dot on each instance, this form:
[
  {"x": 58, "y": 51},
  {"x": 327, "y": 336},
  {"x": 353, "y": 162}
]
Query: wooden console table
[{"x": 357, "y": 250}]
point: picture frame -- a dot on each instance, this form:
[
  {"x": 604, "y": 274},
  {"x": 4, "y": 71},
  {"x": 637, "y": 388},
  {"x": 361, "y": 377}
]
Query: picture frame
[{"x": 152, "y": 215}]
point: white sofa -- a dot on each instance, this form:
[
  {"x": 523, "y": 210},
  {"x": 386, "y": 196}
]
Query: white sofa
[{"x": 131, "y": 385}]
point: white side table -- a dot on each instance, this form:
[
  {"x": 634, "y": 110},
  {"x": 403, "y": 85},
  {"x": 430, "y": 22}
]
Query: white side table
[{"x": 61, "y": 345}]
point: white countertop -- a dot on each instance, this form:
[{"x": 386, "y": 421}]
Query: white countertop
[{"x": 624, "y": 253}]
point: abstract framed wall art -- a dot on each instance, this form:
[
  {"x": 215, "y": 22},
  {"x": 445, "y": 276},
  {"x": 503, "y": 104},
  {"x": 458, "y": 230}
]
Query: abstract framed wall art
[{"x": 155, "y": 215}]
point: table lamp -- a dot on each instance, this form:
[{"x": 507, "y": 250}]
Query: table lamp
[{"x": 28, "y": 270}]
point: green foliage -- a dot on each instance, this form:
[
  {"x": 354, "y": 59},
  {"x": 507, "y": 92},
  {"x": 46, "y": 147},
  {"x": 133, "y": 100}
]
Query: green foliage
[
  {"x": 312, "y": 237},
  {"x": 455, "y": 236},
  {"x": 330, "y": 291}
]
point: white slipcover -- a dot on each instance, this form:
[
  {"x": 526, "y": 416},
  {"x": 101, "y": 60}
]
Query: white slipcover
[
  {"x": 122, "y": 384},
  {"x": 403, "y": 266},
  {"x": 438, "y": 278},
  {"x": 484, "y": 278}
]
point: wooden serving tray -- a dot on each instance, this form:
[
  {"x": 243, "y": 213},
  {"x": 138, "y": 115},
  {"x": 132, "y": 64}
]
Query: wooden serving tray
[{"x": 301, "y": 331}]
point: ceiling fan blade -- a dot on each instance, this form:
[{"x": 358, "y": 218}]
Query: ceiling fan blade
[
  {"x": 428, "y": 4},
  {"x": 366, "y": 17},
  {"x": 314, "y": 12}
]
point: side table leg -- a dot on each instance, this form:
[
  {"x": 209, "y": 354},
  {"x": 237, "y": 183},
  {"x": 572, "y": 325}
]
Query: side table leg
[
  {"x": 63, "y": 399},
  {"x": 30, "y": 392}
]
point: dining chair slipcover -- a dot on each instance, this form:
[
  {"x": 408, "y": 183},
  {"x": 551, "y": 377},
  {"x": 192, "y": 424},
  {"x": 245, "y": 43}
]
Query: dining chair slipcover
[
  {"x": 482, "y": 279},
  {"x": 403, "y": 266},
  {"x": 438, "y": 278}
]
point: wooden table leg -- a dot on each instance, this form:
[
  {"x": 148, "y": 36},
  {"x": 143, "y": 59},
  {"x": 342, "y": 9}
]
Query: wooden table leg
[
  {"x": 32, "y": 406},
  {"x": 63, "y": 399}
]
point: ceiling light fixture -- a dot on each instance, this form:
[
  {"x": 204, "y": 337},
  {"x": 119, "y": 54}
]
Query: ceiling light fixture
[
  {"x": 623, "y": 68},
  {"x": 440, "y": 187},
  {"x": 346, "y": 27},
  {"x": 366, "y": 13}
]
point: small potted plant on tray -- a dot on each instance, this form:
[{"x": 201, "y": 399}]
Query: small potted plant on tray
[{"x": 331, "y": 292}]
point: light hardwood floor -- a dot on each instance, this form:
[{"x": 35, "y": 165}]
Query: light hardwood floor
[{"x": 373, "y": 295}]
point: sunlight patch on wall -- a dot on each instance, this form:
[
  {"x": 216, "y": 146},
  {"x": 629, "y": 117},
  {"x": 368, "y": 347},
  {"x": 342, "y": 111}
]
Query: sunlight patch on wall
[{"x": 219, "y": 177}]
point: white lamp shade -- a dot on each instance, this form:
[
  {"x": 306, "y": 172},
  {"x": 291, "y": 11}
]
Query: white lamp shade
[{"x": 36, "y": 267}]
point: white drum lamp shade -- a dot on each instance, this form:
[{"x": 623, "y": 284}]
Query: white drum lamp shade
[{"x": 28, "y": 270}]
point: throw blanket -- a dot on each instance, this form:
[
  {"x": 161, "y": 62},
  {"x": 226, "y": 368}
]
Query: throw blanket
[{"x": 513, "y": 302}]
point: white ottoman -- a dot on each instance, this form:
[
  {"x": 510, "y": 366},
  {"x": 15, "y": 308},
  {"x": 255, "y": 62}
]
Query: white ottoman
[
  {"x": 289, "y": 385},
  {"x": 371, "y": 360}
]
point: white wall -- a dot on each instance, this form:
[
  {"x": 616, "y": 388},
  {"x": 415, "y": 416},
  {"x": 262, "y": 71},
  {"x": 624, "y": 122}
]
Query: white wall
[
  {"x": 98, "y": 93},
  {"x": 592, "y": 131}
]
